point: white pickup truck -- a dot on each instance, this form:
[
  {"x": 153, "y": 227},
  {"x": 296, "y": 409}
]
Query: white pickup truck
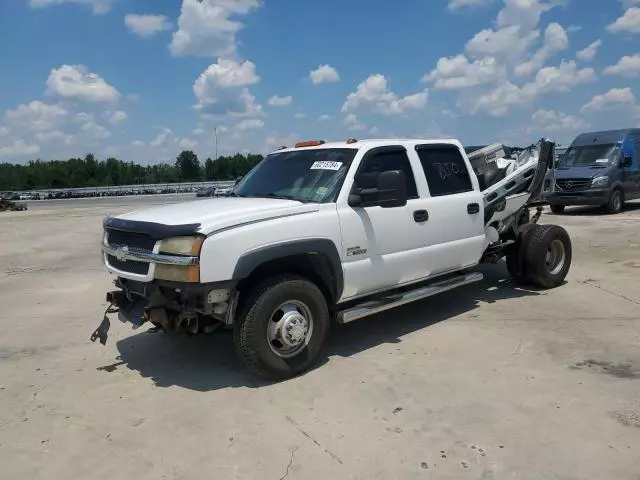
[{"x": 325, "y": 232}]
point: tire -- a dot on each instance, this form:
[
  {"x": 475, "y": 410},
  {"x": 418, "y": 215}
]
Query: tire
[
  {"x": 557, "y": 209},
  {"x": 260, "y": 318},
  {"x": 615, "y": 203},
  {"x": 515, "y": 255},
  {"x": 546, "y": 256}
]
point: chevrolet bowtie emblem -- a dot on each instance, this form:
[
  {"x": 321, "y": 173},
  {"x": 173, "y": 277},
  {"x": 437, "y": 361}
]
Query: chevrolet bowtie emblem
[{"x": 121, "y": 254}]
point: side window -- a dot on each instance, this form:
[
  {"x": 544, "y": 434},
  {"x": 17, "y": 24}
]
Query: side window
[
  {"x": 367, "y": 176},
  {"x": 445, "y": 169}
]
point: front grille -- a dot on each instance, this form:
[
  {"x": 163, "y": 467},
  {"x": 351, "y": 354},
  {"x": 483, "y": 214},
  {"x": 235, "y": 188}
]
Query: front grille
[
  {"x": 133, "y": 240},
  {"x": 574, "y": 184},
  {"x": 130, "y": 266}
]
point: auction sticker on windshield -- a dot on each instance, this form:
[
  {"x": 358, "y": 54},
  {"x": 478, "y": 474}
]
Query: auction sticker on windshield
[{"x": 324, "y": 165}]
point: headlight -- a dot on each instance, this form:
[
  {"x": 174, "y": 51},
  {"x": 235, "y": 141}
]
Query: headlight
[
  {"x": 181, "y": 246},
  {"x": 600, "y": 181}
]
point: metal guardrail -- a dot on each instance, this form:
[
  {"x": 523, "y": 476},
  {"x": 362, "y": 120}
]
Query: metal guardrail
[{"x": 118, "y": 190}]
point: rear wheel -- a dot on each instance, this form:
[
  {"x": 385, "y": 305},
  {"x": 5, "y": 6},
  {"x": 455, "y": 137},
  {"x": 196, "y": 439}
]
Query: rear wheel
[
  {"x": 557, "y": 208},
  {"x": 616, "y": 202},
  {"x": 282, "y": 327},
  {"x": 515, "y": 254},
  {"x": 546, "y": 256}
]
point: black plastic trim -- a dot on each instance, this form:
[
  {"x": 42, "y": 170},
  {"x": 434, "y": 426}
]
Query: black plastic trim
[
  {"x": 157, "y": 231},
  {"x": 312, "y": 246}
]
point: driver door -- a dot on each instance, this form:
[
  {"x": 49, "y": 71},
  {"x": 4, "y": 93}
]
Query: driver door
[{"x": 383, "y": 246}]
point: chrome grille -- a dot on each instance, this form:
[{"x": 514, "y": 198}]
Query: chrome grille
[
  {"x": 574, "y": 184},
  {"x": 134, "y": 242}
]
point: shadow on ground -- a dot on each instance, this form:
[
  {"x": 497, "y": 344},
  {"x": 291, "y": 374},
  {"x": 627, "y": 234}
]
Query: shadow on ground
[{"x": 205, "y": 363}]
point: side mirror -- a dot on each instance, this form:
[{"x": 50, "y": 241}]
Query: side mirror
[
  {"x": 626, "y": 161},
  {"x": 390, "y": 191}
]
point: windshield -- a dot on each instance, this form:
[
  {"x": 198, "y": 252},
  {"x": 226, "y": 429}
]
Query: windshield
[
  {"x": 589, "y": 156},
  {"x": 304, "y": 175}
]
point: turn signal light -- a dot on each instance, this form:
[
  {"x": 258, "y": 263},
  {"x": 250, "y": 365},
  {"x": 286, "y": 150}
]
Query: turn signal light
[{"x": 310, "y": 143}]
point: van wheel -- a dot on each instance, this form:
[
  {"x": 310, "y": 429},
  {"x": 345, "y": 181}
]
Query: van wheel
[
  {"x": 616, "y": 202},
  {"x": 282, "y": 327},
  {"x": 557, "y": 209},
  {"x": 547, "y": 256}
]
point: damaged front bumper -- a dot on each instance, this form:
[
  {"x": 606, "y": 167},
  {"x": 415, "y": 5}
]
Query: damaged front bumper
[{"x": 169, "y": 306}]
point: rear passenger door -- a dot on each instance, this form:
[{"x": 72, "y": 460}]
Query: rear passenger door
[
  {"x": 632, "y": 173},
  {"x": 456, "y": 209}
]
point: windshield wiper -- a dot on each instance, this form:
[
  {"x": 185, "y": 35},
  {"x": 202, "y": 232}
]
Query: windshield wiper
[{"x": 280, "y": 196}]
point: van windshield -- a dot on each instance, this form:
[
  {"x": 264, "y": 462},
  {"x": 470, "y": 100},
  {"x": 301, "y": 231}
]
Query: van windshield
[
  {"x": 590, "y": 156},
  {"x": 311, "y": 175}
]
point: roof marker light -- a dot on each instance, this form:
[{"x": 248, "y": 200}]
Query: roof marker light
[
  {"x": 352, "y": 140},
  {"x": 309, "y": 143}
]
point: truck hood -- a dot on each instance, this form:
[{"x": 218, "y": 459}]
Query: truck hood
[
  {"x": 580, "y": 172},
  {"x": 220, "y": 213}
]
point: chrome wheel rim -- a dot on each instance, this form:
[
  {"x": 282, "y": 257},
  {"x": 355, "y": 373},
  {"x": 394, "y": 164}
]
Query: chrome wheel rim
[
  {"x": 555, "y": 257},
  {"x": 290, "y": 328}
]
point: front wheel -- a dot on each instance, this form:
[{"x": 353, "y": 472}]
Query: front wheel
[
  {"x": 282, "y": 327},
  {"x": 616, "y": 202}
]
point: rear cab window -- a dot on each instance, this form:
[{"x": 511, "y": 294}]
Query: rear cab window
[{"x": 445, "y": 169}]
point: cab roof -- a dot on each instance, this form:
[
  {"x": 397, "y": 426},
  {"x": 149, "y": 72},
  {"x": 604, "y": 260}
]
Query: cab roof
[{"x": 369, "y": 143}]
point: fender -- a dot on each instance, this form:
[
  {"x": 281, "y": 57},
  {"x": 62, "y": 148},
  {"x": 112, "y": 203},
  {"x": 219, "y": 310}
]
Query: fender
[{"x": 316, "y": 247}]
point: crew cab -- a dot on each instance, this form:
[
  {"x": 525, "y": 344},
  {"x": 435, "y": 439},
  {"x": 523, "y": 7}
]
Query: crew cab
[{"x": 331, "y": 232}]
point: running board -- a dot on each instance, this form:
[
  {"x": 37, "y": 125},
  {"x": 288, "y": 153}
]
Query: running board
[{"x": 386, "y": 303}]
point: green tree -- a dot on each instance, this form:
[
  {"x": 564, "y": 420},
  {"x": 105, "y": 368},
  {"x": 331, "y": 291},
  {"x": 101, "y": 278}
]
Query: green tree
[{"x": 188, "y": 166}]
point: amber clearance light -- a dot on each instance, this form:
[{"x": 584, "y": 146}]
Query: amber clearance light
[{"x": 309, "y": 143}]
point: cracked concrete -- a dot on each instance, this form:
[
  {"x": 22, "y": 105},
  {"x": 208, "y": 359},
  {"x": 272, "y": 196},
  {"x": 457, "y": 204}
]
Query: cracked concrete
[{"x": 485, "y": 382}]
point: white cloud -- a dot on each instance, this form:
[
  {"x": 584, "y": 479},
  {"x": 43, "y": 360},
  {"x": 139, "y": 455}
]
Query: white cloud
[
  {"x": 457, "y": 72},
  {"x": 206, "y": 27},
  {"x": 547, "y": 80},
  {"x": 163, "y": 139},
  {"x": 589, "y": 53},
  {"x": 324, "y": 74},
  {"x": 117, "y": 117},
  {"x": 510, "y": 42},
  {"x": 277, "y": 101},
  {"x": 374, "y": 94},
  {"x": 628, "y": 22},
  {"x": 55, "y": 136},
  {"x": 187, "y": 143},
  {"x": 35, "y": 116},
  {"x": 147, "y": 25},
  {"x": 4, "y": 131},
  {"x": 95, "y": 131},
  {"x": 630, "y": 3},
  {"x": 300, "y": 115},
  {"x": 555, "y": 41},
  {"x": 324, "y": 117},
  {"x": 137, "y": 143},
  {"x": 454, "y": 5},
  {"x": 353, "y": 123},
  {"x": 614, "y": 98},
  {"x": 627, "y": 66},
  {"x": 552, "y": 121},
  {"x": 524, "y": 13},
  {"x": 75, "y": 82},
  {"x": 222, "y": 89},
  {"x": 97, "y": 6},
  {"x": 250, "y": 124},
  {"x": 19, "y": 148}
]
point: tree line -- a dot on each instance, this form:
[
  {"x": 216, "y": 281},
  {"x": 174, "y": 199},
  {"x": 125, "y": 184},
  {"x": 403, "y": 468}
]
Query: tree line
[{"x": 90, "y": 172}]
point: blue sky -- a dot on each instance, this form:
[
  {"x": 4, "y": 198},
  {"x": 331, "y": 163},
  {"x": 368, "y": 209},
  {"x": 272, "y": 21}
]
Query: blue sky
[{"x": 144, "y": 80}]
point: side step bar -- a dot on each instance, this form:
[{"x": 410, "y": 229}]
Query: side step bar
[{"x": 386, "y": 303}]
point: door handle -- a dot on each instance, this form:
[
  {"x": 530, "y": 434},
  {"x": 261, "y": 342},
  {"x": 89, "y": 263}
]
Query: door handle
[
  {"x": 421, "y": 216},
  {"x": 473, "y": 208}
]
